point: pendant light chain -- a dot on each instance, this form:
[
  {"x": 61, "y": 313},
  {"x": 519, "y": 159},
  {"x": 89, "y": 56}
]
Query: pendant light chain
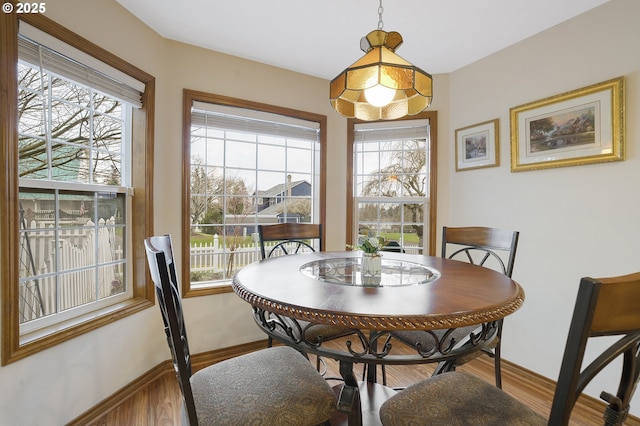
[{"x": 380, "y": 11}]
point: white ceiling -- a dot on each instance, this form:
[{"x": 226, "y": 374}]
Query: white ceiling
[{"x": 322, "y": 37}]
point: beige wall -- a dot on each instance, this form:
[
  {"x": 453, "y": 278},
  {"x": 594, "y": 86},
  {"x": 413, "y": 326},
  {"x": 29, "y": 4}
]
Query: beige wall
[{"x": 575, "y": 221}]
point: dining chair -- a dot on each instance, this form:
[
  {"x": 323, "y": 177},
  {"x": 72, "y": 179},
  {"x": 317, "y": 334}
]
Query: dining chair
[
  {"x": 289, "y": 238},
  {"x": 488, "y": 247},
  {"x": 295, "y": 238},
  {"x": 604, "y": 307},
  {"x": 270, "y": 386}
]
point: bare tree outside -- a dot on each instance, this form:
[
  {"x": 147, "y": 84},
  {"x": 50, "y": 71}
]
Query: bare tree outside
[
  {"x": 219, "y": 211},
  {"x": 300, "y": 207},
  {"x": 402, "y": 173},
  {"x": 70, "y": 239},
  {"x": 238, "y": 207},
  {"x": 205, "y": 183},
  {"x": 71, "y": 128}
]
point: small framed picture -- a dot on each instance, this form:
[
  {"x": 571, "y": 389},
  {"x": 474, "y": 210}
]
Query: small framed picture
[
  {"x": 583, "y": 126},
  {"x": 477, "y": 146}
]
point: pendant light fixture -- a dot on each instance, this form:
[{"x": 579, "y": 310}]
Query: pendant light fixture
[{"x": 381, "y": 85}]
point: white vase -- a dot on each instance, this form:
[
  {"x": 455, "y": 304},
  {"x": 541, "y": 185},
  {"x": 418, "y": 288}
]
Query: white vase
[{"x": 371, "y": 268}]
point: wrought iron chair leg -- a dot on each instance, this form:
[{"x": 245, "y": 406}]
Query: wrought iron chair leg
[
  {"x": 498, "y": 367},
  {"x": 367, "y": 366},
  {"x": 384, "y": 375}
]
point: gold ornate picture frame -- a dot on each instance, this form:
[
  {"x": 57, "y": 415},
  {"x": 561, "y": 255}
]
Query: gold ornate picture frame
[
  {"x": 583, "y": 126},
  {"x": 477, "y": 146}
]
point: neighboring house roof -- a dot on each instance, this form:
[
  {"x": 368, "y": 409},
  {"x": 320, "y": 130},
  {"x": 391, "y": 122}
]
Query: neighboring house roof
[
  {"x": 278, "y": 208},
  {"x": 75, "y": 163},
  {"x": 278, "y": 189}
]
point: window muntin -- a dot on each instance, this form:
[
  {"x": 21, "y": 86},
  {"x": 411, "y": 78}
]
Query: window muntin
[
  {"x": 73, "y": 154},
  {"x": 68, "y": 132},
  {"x": 246, "y": 167},
  {"x": 16, "y": 346},
  {"x": 391, "y": 182},
  {"x": 69, "y": 261}
]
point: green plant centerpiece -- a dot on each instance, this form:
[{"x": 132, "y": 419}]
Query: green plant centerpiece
[
  {"x": 371, "y": 262},
  {"x": 369, "y": 245}
]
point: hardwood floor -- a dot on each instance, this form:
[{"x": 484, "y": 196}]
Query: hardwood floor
[{"x": 158, "y": 404}]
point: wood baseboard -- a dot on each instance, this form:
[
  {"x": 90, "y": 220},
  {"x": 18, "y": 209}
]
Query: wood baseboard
[
  {"x": 110, "y": 403},
  {"x": 198, "y": 362}
]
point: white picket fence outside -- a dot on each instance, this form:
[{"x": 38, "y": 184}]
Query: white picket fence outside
[
  {"x": 214, "y": 257},
  {"x": 77, "y": 254},
  {"x": 44, "y": 293}
]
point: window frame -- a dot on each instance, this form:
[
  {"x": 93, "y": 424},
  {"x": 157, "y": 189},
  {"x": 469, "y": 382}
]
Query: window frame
[
  {"x": 191, "y": 96},
  {"x": 432, "y": 116},
  {"x": 15, "y": 347}
]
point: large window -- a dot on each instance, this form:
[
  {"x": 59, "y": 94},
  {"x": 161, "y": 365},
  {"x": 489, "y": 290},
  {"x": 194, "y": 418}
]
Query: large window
[
  {"x": 248, "y": 164},
  {"x": 75, "y": 231},
  {"x": 392, "y": 194}
]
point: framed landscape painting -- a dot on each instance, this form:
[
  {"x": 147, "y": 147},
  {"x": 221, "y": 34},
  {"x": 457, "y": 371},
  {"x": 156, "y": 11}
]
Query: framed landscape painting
[
  {"x": 477, "y": 146},
  {"x": 583, "y": 126}
]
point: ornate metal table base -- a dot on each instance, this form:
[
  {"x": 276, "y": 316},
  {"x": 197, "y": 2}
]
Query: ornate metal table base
[{"x": 372, "y": 347}]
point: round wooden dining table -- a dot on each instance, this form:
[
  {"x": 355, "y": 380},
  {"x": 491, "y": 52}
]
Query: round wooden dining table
[
  {"x": 294, "y": 295},
  {"x": 456, "y": 294}
]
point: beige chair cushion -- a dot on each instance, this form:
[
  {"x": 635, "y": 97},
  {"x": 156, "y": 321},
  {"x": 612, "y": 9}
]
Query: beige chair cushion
[
  {"x": 456, "y": 399},
  {"x": 316, "y": 332},
  {"x": 274, "y": 386}
]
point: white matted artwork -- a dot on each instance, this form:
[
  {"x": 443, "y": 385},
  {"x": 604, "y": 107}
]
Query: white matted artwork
[
  {"x": 583, "y": 126},
  {"x": 477, "y": 146}
]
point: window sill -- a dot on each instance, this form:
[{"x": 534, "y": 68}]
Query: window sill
[
  {"x": 50, "y": 336},
  {"x": 205, "y": 290}
]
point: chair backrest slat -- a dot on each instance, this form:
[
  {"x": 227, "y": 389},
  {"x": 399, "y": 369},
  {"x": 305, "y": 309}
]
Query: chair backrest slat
[
  {"x": 618, "y": 306},
  {"x": 463, "y": 242},
  {"x": 289, "y": 232}
]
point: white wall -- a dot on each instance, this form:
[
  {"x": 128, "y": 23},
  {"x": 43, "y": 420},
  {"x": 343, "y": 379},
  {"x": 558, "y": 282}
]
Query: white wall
[{"x": 574, "y": 221}]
